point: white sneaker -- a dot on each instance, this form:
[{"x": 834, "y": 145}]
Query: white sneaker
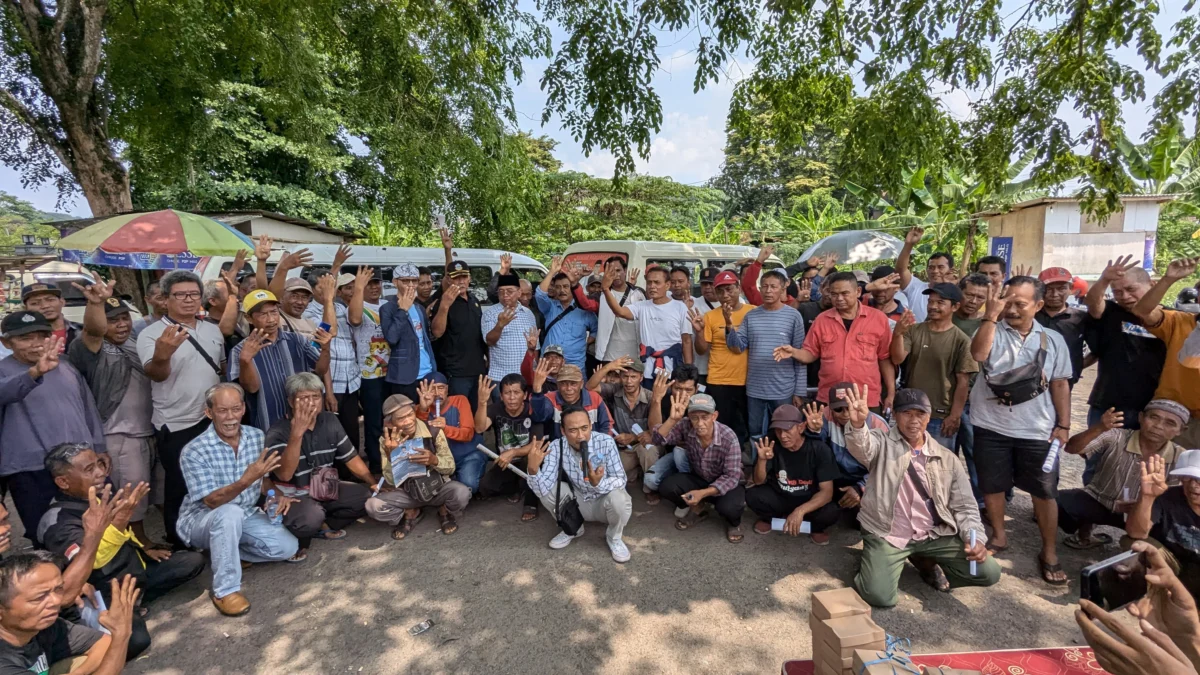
[
  {"x": 561, "y": 539},
  {"x": 620, "y": 552}
]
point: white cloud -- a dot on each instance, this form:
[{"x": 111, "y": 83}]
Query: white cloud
[{"x": 688, "y": 149}]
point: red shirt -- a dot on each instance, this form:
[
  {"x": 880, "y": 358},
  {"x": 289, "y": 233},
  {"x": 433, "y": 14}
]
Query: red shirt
[{"x": 850, "y": 356}]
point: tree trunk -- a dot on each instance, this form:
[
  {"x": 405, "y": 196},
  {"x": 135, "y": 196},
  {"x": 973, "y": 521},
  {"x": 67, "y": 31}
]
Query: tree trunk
[{"x": 968, "y": 249}]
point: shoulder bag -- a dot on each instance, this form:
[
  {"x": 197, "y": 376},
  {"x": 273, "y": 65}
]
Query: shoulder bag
[
  {"x": 1021, "y": 384},
  {"x": 558, "y": 318},
  {"x": 567, "y": 515},
  {"x": 200, "y": 348},
  {"x": 425, "y": 488}
]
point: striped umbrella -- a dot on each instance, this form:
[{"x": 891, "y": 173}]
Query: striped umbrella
[{"x": 165, "y": 239}]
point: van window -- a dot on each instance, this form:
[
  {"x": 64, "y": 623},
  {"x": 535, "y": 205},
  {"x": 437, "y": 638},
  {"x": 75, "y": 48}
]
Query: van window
[
  {"x": 531, "y": 274},
  {"x": 248, "y": 269},
  {"x": 590, "y": 258},
  {"x": 693, "y": 266},
  {"x": 480, "y": 276}
]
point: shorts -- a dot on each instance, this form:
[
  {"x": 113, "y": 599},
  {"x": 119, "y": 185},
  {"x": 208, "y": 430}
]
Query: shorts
[{"x": 1004, "y": 462}]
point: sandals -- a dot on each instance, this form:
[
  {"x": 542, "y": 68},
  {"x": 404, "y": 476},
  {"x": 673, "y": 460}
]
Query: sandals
[
  {"x": 405, "y": 526},
  {"x": 996, "y": 550},
  {"x": 935, "y": 577},
  {"x": 734, "y": 534},
  {"x": 1047, "y": 570},
  {"x": 301, "y": 556},
  {"x": 690, "y": 520},
  {"x": 331, "y": 535},
  {"x": 529, "y": 514},
  {"x": 449, "y": 526},
  {"x": 652, "y": 498},
  {"x": 1097, "y": 540},
  {"x": 514, "y": 498},
  {"x": 762, "y": 527}
]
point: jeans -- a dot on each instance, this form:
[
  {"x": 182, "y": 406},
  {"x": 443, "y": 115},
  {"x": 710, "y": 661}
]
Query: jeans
[
  {"x": 1093, "y": 418},
  {"x": 464, "y": 386},
  {"x": 758, "y": 416},
  {"x": 231, "y": 537},
  {"x": 348, "y": 412},
  {"x": 469, "y": 464},
  {"x": 668, "y": 465},
  {"x": 731, "y": 407},
  {"x": 935, "y": 430},
  {"x": 32, "y": 492},
  {"x": 371, "y": 394},
  {"x": 966, "y": 442}
]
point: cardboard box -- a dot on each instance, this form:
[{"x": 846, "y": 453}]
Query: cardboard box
[
  {"x": 831, "y": 660},
  {"x": 838, "y": 603},
  {"x": 865, "y": 656},
  {"x": 847, "y": 632},
  {"x": 832, "y": 654}
]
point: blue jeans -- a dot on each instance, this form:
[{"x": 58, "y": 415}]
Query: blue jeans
[
  {"x": 469, "y": 464},
  {"x": 966, "y": 442},
  {"x": 667, "y": 465},
  {"x": 1093, "y": 418},
  {"x": 758, "y": 418},
  {"x": 231, "y": 537},
  {"x": 935, "y": 430}
]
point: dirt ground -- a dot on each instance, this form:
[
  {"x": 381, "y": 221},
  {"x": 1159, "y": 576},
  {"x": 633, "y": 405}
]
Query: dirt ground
[{"x": 502, "y": 602}]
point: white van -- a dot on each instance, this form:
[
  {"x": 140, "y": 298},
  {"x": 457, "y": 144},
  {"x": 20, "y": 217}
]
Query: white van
[
  {"x": 484, "y": 262},
  {"x": 63, "y": 275},
  {"x": 642, "y": 254}
]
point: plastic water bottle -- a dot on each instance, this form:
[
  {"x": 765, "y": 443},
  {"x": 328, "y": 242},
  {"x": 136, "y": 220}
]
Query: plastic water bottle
[{"x": 273, "y": 508}]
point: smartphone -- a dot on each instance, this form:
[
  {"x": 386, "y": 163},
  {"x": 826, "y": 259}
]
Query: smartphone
[
  {"x": 1115, "y": 582},
  {"x": 321, "y": 326}
]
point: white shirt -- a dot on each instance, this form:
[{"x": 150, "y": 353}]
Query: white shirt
[
  {"x": 617, "y": 337},
  {"x": 1031, "y": 420},
  {"x": 660, "y": 326},
  {"x": 917, "y": 300}
]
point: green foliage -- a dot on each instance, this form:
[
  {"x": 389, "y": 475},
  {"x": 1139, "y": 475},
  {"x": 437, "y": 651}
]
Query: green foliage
[{"x": 18, "y": 217}]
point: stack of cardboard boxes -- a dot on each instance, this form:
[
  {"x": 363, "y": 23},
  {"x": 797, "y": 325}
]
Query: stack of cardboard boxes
[{"x": 841, "y": 623}]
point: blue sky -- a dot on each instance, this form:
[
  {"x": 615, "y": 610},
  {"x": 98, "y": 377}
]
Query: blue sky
[{"x": 689, "y": 147}]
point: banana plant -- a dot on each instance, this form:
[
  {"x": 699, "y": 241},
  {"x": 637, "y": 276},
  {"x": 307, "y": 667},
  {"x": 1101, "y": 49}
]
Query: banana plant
[{"x": 1168, "y": 163}]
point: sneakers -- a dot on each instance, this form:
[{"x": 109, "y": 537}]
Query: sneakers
[
  {"x": 620, "y": 552},
  {"x": 561, "y": 539}
]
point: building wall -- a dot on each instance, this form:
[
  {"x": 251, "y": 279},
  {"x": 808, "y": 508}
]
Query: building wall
[
  {"x": 286, "y": 233},
  {"x": 1026, "y": 230}
]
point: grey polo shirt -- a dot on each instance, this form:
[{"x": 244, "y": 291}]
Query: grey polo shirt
[
  {"x": 1032, "y": 420},
  {"x": 179, "y": 400}
]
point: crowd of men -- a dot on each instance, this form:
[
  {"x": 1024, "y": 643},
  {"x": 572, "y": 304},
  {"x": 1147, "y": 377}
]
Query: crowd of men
[{"x": 906, "y": 408}]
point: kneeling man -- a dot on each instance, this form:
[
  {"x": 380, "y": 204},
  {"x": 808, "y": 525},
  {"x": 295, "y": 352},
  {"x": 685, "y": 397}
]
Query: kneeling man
[
  {"x": 224, "y": 469},
  {"x": 598, "y": 487},
  {"x": 918, "y": 502}
]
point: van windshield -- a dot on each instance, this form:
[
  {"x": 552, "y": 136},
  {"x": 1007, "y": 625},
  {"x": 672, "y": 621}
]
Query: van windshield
[{"x": 71, "y": 296}]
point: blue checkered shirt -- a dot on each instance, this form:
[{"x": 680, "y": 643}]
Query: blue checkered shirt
[
  {"x": 602, "y": 449},
  {"x": 209, "y": 464},
  {"x": 506, "y": 355},
  {"x": 344, "y": 370}
]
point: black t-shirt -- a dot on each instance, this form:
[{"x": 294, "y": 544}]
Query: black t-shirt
[
  {"x": 512, "y": 431},
  {"x": 1069, "y": 324},
  {"x": 809, "y": 312},
  {"x": 1129, "y": 359},
  {"x": 1177, "y": 527},
  {"x": 63, "y": 640},
  {"x": 461, "y": 348},
  {"x": 325, "y": 445},
  {"x": 800, "y": 473}
]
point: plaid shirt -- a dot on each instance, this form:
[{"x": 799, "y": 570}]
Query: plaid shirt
[
  {"x": 601, "y": 450},
  {"x": 209, "y": 464},
  {"x": 344, "y": 369},
  {"x": 720, "y": 463},
  {"x": 506, "y": 355}
]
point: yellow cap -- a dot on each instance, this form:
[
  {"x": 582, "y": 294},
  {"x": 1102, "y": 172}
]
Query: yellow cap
[{"x": 255, "y": 298}]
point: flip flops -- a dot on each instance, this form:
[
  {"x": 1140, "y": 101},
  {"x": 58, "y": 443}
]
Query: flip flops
[{"x": 1097, "y": 540}]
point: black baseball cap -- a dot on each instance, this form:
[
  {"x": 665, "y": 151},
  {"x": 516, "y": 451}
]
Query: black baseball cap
[
  {"x": 115, "y": 307},
  {"x": 837, "y": 396},
  {"x": 457, "y": 268},
  {"x": 23, "y": 323},
  {"x": 881, "y": 272},
  {"x": 949, "y": 292},
  {"x": 39, "y": 287},
  {"x": 708, "y": 275},
  {"x": 911, "y": 399}
]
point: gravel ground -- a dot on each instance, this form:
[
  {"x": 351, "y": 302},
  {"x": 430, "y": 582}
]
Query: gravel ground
[{"x": 502, "y": 602}]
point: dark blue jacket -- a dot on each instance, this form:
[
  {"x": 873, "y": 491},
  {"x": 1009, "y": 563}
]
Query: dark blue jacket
[{"x": 404, "y": 365}]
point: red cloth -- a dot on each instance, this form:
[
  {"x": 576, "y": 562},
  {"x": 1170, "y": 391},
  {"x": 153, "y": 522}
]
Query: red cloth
[
  {"x": 850, "y": 356},
  {"x": 1059, "y": 661},
  {"x": 750, "y": 284}
]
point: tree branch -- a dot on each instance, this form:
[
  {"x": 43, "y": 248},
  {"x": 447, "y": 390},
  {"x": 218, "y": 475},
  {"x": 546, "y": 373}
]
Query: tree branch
[
  {"x": 38, "y": 126},
  {"x": 93, "y": 28}
]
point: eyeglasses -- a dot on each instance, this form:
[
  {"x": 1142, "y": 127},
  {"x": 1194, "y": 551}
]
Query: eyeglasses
[{"x": 187, "y": 295}]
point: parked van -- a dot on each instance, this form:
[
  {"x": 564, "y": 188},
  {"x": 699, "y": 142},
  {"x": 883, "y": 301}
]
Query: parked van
[
  {"x": 63, "y": 275},
  {"x": 643, "y": 254},
  {"x": 484, "y": 262}
]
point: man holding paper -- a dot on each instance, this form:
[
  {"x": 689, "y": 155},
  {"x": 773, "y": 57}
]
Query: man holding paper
[{"x": 416, "y": 473}]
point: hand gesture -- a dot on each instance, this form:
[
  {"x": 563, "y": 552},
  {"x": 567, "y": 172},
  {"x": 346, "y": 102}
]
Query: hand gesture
[
  {"x": 230, "y": 275},
  {"x": 447, "y": 240},
  {"x": 252, "y": 345},
  {"x": 1022, "y": 271},
  {"x": 804, "y": 290},
  {"x": 450, "y": 294},
  {"x": 339, "y": 259},
  {"x": 814, "y": 417},
  {"x": 1112, "y": 419},
  {"x": 784, "y": 352},
  {"x": 765, "y": 252},
  {"x": 537, "y": 452},
  {"x": 505, "y": 263},
  {"x": 661, "y": 383},
  {"x": 48, "y": 361},
  {"x": 619, "y": 363},
  {"x": 323, "y": 337},
  {"x": 486, "y": 387},
  {"x": 906, "y": 321},
  {"x": 391, "y": 438},
  {"x": 1167, "y": 606},
  {"x": 325, "y": 289},
  {"x": 727, "y": 315},
  {"x": 679, "y": 405},
  {"x": 118, "y": 618},
  {"x": 95, "y": 293},
  {"x": 858, "y": 405},
  {"x": 997, "y": 302},
  {"x": 1124, "y": 650},
  {"x": 363, "y": 277},
  {"x": 262, "y": 248},
  {"x": 531, "y": 338},
  {"x": 595, "y": 475},
  {"x": 406, "y": 296},
  {"x": 913, "y": 237},
  {"x": 697, "y": 319},
  {"x": 890, "y": 282},
  {"x": 541, "y": 374},
  {"x": 267, "y": 462},
  {"x": 791, "y": 526},
  {"x": 1182, "y": 268},
  {"x": 556, "y": 265},
  {"x": 1154, "y": 477},
  {"x": 1116, "y": 270},
  {"x": 126, "y": 500},
  {"x": 849, "y": 498},
  {"x": 505, "y": 317},
  {"x": 99, "y": 514},
  {"x": 633, "y": 276},
  {"x": 291, "y": 260},
  {"x": 830, "y": 262},
  {"x": 425, "y": 394},
  {"x": 304, "y": 416},
  {"x": 765, "y": 448}
]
